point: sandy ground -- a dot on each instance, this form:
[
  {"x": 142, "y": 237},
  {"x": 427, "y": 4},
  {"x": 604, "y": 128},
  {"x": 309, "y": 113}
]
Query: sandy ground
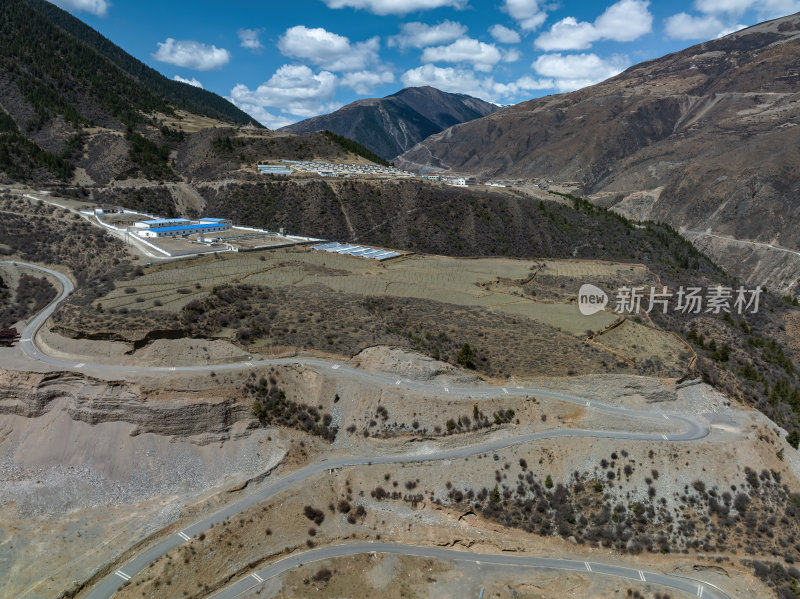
[
  {"x": 393, "y": 577},
  {"x": 97, "y": 489},
  {"x": 72, "y": 494},
  {"x": 268, "y": 531},
  {"x": 738, "y": 439}
]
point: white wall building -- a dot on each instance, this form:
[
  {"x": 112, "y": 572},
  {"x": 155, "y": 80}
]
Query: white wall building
[{"x": 180, "y": 231}]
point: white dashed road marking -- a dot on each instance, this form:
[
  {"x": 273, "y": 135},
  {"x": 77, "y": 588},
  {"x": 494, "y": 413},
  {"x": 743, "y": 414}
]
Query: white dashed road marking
[
  {"x": 184, "y": 536},
  {"x": 700, "y": 591},
  {"x": 257, "y": 577},
  {"x": 665, "y": 437},
  {"x": 81, "y": 365},
  {"x": 122, "y": 575},
  {"x": 588, "y": 567},
  {"x": 665, "y": 416},
  {"x": 446, "y": 390},
  {"x": 588, "y": 404},
  {"x": 172, "y": 369},
  {"x": 641, "y": 575},
  {"x": 505, "y": 390},
  {"x": 335, "y": 366},
  {"x": 397, "y": 382}
]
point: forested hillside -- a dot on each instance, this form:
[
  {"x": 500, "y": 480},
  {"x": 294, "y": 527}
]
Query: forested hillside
[
  {"x": 179, "y": 95},
  {"x": 59, "y": 77}
]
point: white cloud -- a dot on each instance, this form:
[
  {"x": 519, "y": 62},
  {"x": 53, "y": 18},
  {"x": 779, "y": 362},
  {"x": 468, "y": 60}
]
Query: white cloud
[
  {"x": 504, "y": 35},
  {"x": 249, "y": 38},
  {"x": 192, "y": 55},
  {"x": 684, "y": 26},
  {"x": 512, "y": 55},
  {"x": 465, "y": 81},
  {"x": 449, "y": 79},
  {"x": 765, "y": 9},
  {"x": 363, "y": 82},
  {"x": 96, "y": 7},
  {"x": 528, "y": 83},
  {"x": 419, "y": 35},
  {"x": 394, "y": 7},
  {"x": 264, "y": 116},
  {"x": 724, "y": 6},
  {"x": 328, "y": 50},
  {"x": 295, "y": 89},
  {"x": 769, "y": 9},
  {"x": 732, "y": 29},
  {"x": 623, "y": 21},
  {"x": 481, "y": 55},
  {"x": 194, "y": 82},
  {"x": 567, "y": 34},
  {"x": 526, "y": 12},
  {"x": 575, "y": 71}
]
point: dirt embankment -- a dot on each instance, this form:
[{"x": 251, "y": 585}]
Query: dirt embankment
[{"x": 93, "y": 401}]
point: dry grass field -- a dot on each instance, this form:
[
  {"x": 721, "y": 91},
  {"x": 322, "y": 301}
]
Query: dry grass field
[
  {"x": 462, "y": 282},
  {"x": 641, "y": 343},
  {"x": 516, "y": 320}
]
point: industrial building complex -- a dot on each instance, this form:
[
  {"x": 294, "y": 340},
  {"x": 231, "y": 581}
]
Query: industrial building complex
[
  {"x": 179, "y": 227},
  {"x": 183, "y": 237}
]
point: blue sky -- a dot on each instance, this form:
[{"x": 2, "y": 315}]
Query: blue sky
[{"x": 289, "y": 60}]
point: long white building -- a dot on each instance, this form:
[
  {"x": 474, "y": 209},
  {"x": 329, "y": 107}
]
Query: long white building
[{"x": 180, "y": 227}]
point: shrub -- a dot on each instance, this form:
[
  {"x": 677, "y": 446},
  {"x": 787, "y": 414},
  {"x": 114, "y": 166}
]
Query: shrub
[
  {"x": 322, "y": 575},
  {"x": 466, "y": 356},
  {"x": 313, "y": 514}
]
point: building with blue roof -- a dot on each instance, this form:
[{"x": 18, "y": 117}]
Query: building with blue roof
[
  {"x": 162, "y": 222},
  {"x": 183, "y": 230}
]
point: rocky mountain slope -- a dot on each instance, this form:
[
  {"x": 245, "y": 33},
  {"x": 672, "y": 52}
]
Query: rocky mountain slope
[
  {"x": 389, "y": 126},
  {"x": 55, "y": 65},
  {"x": 704, "y": 139},
  {"x": 67, "y": 93}
]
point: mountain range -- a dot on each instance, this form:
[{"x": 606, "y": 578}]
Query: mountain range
[
  {"x": 389, "y": 126},
  {"x": 705, "y": 139}
]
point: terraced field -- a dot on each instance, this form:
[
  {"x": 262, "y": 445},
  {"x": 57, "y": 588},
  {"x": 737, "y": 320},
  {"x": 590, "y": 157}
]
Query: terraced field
[{"x": 462, "y": 282}]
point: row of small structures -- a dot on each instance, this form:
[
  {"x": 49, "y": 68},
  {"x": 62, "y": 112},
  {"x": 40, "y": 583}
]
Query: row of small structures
[
  {"x": 329, "y": 169},
  {"x": 359, "y": 251}
]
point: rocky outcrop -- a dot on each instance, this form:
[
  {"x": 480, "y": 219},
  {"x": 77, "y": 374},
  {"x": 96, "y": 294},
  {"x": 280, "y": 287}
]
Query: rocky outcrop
[
  {"x": 93, "y": 401},
  {"x": 770, "y": 267}
]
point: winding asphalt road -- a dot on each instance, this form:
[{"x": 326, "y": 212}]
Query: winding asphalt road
[
  {"x": 693, "y": 587},
  {"x": 105, "y": 588}
]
